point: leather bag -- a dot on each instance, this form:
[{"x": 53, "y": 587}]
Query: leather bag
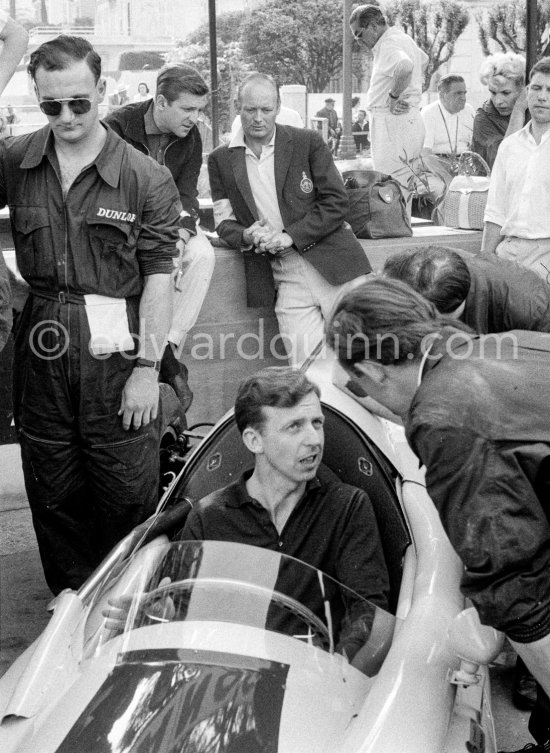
[{"x": 377, "y": 208}]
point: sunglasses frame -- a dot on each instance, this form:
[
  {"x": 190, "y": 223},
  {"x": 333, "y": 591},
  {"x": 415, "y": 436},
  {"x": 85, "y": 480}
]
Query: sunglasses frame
[{"x": 69, "y": 101}]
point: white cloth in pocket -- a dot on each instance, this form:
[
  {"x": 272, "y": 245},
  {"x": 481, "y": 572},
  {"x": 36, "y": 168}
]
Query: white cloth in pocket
[{"x": 108, "y": 322}]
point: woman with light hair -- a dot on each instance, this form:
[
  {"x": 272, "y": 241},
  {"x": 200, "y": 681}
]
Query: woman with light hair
[{"x": 504, "y": 112}]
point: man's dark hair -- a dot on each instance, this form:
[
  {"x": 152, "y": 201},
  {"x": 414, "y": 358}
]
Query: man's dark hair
[
  {"x": 542, "y": 66},
  {"x": 447, "y": 81},
  {"x": 355, "y": 101},
  {"x": 256, "y": 76},
  {"x": 387, "y": 321},
  {"x": 367, "y": 14},
  {"x": 439, "y": 274},
  {"x": 179, "y": 78},
  {"x": 273, "y": 387},
  {"x": 60, "y": 53}
]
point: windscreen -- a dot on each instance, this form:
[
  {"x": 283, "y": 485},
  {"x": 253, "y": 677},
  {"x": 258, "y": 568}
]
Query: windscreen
[{"x": 215, "y": 581}]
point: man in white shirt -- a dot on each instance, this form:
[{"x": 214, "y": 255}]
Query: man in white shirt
[
  {"x": 279, "y": 198},
  {"x": 449, "y": 121},
  {"x": 517, "y": 220},
  {"x": 393, "y": 99}
]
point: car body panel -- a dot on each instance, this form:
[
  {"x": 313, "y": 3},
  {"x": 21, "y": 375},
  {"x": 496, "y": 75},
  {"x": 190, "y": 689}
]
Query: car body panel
[{"x": 409, "y": 705}]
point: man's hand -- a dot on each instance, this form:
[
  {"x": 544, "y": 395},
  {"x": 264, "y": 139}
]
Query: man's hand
[
  {"x": 140, "y": 398},
  {"x": 255, "y": 232},
  {"x": 398, "y": 106},
  {"x": 276, "y": 243},
  {"x": 116, "y": 613}
]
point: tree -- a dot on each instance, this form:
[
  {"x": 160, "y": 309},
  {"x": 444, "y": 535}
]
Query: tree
[
  {"x": 228, "y": 29},
  {"x": 138, "y": 60},
  {"x": 297, "y": 41},
  {"x": 231, "y": 65},
  {"x": 435, "y": 26},
  {"x": 502, "y": 26}
]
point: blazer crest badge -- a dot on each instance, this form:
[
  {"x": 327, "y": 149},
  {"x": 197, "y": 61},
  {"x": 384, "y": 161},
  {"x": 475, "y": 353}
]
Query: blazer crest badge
[{"x": 306, "y": 184}]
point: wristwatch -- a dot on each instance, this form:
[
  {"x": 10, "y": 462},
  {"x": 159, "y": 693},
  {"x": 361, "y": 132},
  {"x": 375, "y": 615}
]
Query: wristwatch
[
  {"x": 145, "y": 363},
  {"x": 393, "y": 96}
]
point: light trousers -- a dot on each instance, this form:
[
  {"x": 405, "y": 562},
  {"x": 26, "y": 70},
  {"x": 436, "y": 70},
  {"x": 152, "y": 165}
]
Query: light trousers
[
  {"x": 304, "y": 303},
  {"x": 533, "y": 253},
  {"x": 395, "y": 141},
  {"x": 198, "y": 268}
]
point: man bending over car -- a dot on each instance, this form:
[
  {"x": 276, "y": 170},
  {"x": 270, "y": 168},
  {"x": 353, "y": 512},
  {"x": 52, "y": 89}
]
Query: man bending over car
[{"x": 282, "y": 504}]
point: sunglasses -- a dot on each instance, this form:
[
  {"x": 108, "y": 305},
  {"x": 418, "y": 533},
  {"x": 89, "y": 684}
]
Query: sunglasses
[{"x": 77, "y": 105}]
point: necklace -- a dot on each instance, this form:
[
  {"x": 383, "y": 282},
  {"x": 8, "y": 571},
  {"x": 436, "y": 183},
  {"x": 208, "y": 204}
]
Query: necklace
[{"x": 453, "y": 151}]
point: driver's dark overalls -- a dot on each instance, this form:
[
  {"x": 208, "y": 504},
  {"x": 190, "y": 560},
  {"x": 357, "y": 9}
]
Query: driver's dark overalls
[{"x": 88, "y": 481}]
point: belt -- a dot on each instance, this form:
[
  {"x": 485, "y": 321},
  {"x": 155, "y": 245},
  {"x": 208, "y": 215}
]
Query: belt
[{"x": 62, "y": 296}]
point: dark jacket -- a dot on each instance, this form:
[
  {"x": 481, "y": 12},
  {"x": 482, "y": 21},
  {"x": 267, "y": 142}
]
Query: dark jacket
[
  {"x": 480, "y": 423},
  {"x": 489, "y": 129},
  {"x": 183, "y": 157},
  {"x": 312, "y": 200},
  {"x": 504, "y": 296}
]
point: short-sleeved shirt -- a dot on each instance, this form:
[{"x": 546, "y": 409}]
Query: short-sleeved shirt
[
  {"x": 332, "y": 528},
  {"x": 393, "y": 47},
  {"x": 118, "y": 222},
  {"x": 447, "y": 133}
]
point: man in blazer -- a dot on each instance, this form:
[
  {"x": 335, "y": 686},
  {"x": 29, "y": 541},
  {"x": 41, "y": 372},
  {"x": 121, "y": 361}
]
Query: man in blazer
[{"x": 279, "y": 198}]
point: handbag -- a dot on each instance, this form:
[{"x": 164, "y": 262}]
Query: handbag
[
  {"x": 377, "y": 207},
  {"x": 464, "y": 203}
]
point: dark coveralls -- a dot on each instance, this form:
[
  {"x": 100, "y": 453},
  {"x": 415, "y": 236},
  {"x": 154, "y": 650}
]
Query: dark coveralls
[
  {"x": 88, "y": 481},
  {"x": 480, "y": 423}
]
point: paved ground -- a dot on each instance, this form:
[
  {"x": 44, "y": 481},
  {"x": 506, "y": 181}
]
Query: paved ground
[{"x": 24, "y": 597}]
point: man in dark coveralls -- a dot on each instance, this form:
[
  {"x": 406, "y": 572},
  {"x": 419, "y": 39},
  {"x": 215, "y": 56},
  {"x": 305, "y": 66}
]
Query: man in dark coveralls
[
  {"x": 476, "y": 411},
  {"x": 95, "y": 227}
]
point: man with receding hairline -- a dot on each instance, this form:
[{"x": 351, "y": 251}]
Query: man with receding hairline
[
  {"x": 279, "y": 198},
  {"x": 449, "y": 122},
  {"x": 393, "y": 99}
]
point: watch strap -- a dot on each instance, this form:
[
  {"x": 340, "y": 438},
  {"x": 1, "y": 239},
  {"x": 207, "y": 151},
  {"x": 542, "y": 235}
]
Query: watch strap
[{"x": 143, "y": 363}]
